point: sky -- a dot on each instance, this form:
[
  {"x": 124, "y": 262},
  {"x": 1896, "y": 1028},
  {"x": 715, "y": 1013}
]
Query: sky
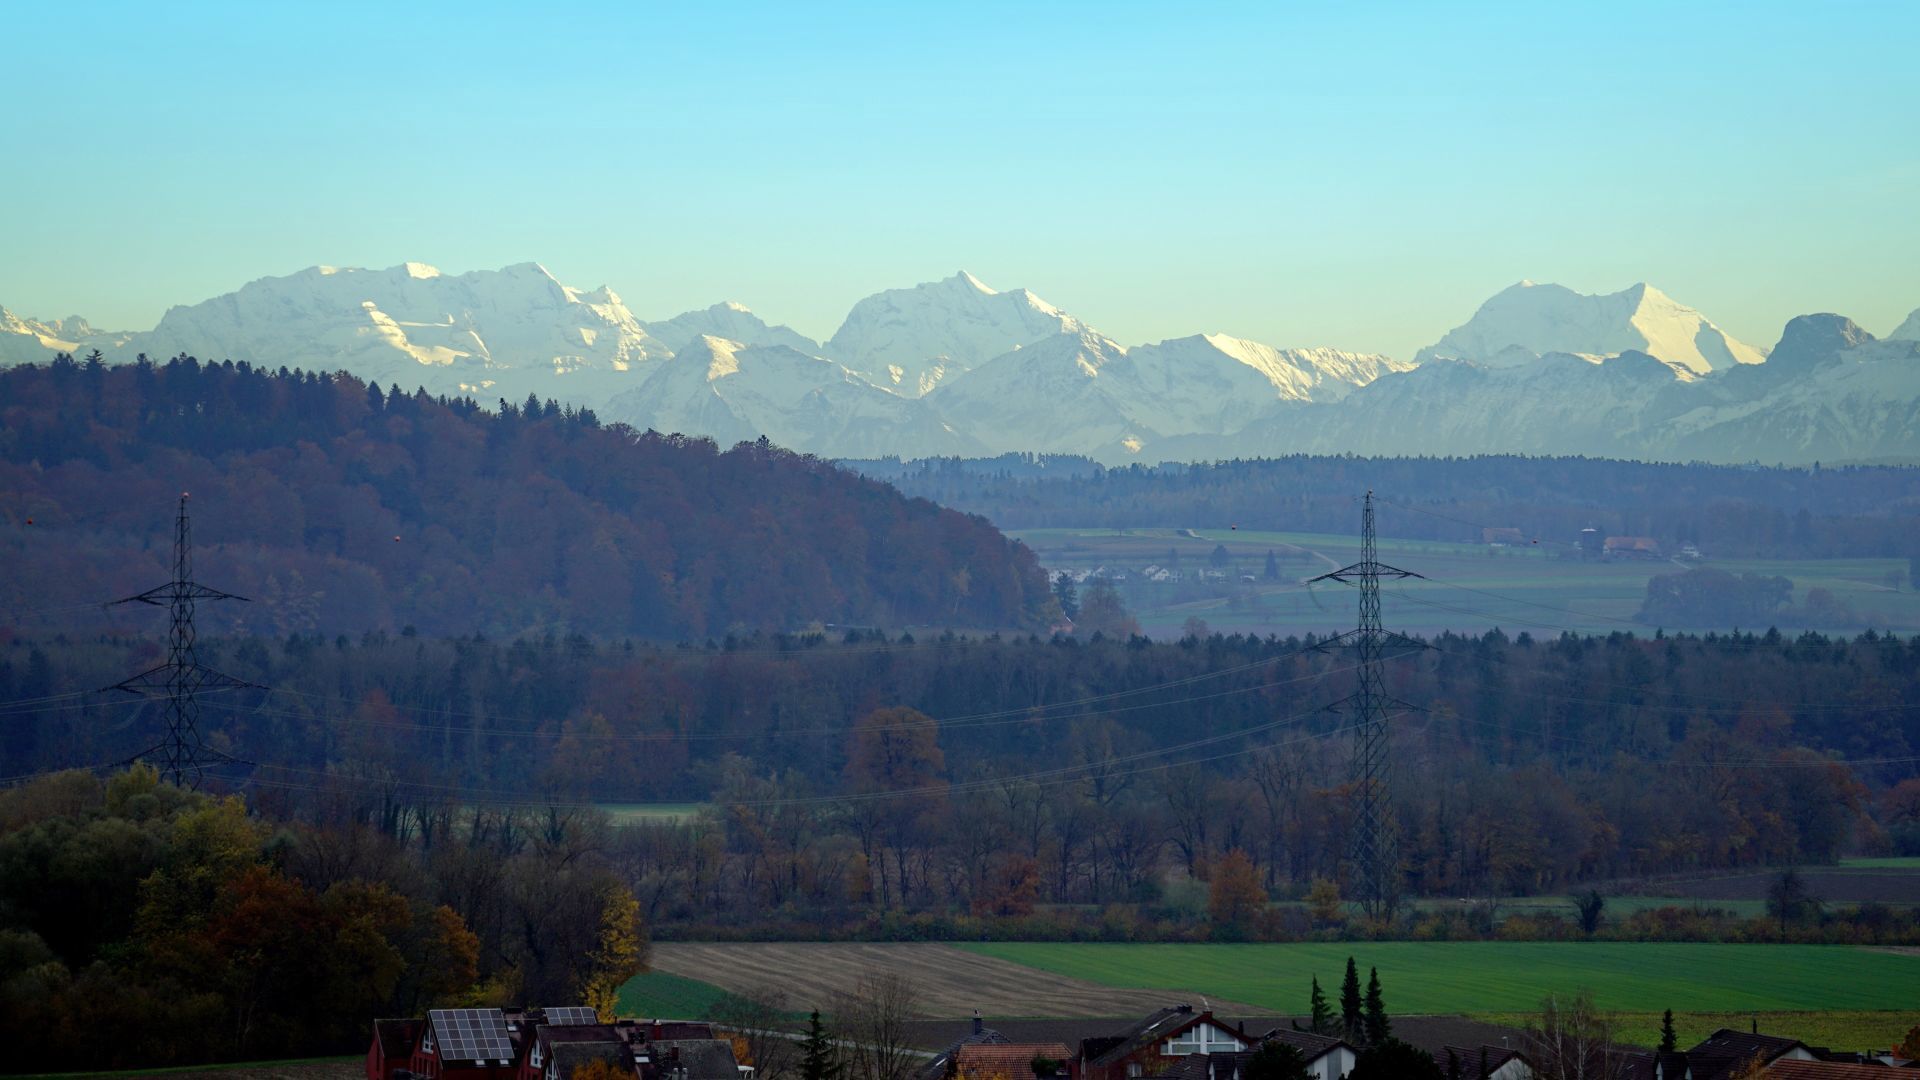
[{"x": 1360, "y": 175}]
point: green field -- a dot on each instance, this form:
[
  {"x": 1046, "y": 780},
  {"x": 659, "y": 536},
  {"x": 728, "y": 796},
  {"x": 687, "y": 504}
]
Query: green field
[
  {"x": 658, "y": 994},
  {"x": 1891, "y": 862},
  {"x": 1505, "y": 977},
  {"x": 635, "y": 813},
  {"x": 1536, "y": 589}
]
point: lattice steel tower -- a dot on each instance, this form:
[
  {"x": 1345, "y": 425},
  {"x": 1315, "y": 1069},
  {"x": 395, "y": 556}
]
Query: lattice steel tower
[
  {"x": 1374, "y": 846},
  {"x": 183, "y": 756}
]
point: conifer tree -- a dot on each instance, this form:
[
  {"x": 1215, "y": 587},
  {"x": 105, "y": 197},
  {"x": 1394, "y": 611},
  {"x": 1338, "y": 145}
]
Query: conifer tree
[
  {"x": 1379, "y": 1028},
  {"x": 1320, "y": 1018},
  {"x": 818, "y": 1060},
  {"x": 1669, "y": 1039},
  {"x": 1352, "y": 1023}
]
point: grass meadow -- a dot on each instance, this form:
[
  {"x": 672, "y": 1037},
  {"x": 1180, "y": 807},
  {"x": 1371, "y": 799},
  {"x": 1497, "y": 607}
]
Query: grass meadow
[{"x": 1499, "y": 976}]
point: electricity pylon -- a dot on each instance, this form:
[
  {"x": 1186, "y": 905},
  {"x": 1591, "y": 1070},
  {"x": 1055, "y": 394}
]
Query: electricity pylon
[
  {"x": 183, "y": 756},
  {"x": 1374, "y": 846}
]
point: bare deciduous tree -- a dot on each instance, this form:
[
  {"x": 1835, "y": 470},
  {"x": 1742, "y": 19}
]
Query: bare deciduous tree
[
  {"x": 759, "y": 1020},
  {"x": 1572, "y": 1040},
  {"x": 874, "y": 1021}
]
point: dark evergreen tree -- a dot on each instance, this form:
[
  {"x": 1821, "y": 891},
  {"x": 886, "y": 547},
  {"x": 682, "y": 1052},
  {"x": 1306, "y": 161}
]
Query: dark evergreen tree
[
  {"x": 1379, "y": 1028},
  {"x": 1352, "y": 1020},
  {"x": 1669, "y": 1039},
  {"x": 1273, "y": 566},
  {"x": 1395, "y": 1060},
  {"x": 1320, "y": 1016},
  {"x": 1066, "y": 594},
  {"x": 1276, "y": 1061},
  {"x": 818, "y": 1059}
]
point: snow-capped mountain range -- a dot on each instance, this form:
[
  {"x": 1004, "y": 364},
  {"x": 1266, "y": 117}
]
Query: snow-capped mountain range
[{"x": 955, "y": 367}]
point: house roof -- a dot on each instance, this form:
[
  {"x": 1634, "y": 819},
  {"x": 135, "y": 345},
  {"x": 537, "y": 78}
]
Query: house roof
[
  {"x": 1726, "y": 1050},
  {"x": 471, "y": 1034},
  {"x": 943, "y": 1063},
  {"x": 1824, "y": 1070},
  {"x": 680, "y": 1029},
  {"x": 396, "y": 1037},
  {"x": 1013, "y": 1061},
  {"x": 704, "y": 1059},
  {"x": 1470, "y": 1056},
  {"x": 1312, "y": 1046},
  {"x": 1160, "y": 1024},
  {"x": 556, "y": 1034},
  {"x": 569, "y": 1057}
]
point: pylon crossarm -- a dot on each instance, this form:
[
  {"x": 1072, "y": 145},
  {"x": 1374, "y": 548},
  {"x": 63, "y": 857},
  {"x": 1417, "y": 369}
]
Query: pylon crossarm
[
  {"x": 173, "y": 592},
  {"x": 1353, "y": 575}
]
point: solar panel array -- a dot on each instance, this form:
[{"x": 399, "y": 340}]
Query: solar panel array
[
  {"x": 471, "y": 1034},
  {"x": 571, "y": 1014}
]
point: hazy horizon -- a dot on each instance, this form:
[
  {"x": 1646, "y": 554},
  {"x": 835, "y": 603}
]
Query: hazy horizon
[{"x": 1361, "y": 178}]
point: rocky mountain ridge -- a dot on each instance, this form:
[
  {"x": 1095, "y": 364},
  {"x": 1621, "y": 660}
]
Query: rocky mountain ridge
[{"x": 954, "y": 367}]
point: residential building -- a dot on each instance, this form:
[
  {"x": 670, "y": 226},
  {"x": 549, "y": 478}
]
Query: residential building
[{"x": 1152, "y": 1046}]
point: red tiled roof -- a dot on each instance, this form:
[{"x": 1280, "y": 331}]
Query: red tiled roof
[{"x": 1014, "y": 1061}]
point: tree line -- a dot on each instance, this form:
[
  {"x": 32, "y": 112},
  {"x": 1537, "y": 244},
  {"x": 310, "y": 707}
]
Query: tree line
[
  {"x": 867, "y": 784},
  {"x": 144, "y": 925}
]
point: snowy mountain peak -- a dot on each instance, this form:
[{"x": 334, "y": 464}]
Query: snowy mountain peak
[
  {"x": 911, "y": 340},
  {"x": 967, "y": 282},
  {"x": 1909, "y": 330},
  {"x": 1527, "y": 320},
  {"x": 481, "y": 333}
]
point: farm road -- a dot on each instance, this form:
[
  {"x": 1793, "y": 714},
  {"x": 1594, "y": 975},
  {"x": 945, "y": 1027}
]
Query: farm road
[{"x": 952, "y": 983}]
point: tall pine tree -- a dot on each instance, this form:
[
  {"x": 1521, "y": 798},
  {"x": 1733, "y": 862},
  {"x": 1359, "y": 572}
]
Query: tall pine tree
[
  {"x": 1379, "y": 1029},
  {"x": 1352, "y": 1021},
  {"x": 818, "y": 1060},
  {"x": 1669, "y": 1039},
  {"x": 1320, "y": 1017}
]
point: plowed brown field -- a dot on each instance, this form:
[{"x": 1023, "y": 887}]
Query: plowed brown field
[{"x": 951, "y": 982}]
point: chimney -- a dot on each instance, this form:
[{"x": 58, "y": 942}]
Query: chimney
[{"x": 978, "y": 1027}]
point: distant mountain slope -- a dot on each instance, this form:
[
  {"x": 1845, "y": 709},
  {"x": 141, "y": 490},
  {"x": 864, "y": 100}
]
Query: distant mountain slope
[
  {"x": 492, "y": 333},
  {"x": 912, "y": 340},
  {"x": 1829, "y": 392},
  {"x": 1527, "y": 320},
  {"x": 731, "y": 321},
  {"x": 734, "y": 392},
  {"x": 340, "y": 509}
]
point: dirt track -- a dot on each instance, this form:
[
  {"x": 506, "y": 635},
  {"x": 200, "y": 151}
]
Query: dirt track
[{"x": 951, "y": 982}]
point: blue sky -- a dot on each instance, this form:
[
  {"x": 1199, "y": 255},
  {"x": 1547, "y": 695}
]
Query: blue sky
[{"x": 1359, "y": 175}]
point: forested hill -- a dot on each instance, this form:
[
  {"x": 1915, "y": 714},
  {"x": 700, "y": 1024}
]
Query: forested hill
[
  {"x": 340, "y": 507},
  {"x": 1729, "y": 509}
]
